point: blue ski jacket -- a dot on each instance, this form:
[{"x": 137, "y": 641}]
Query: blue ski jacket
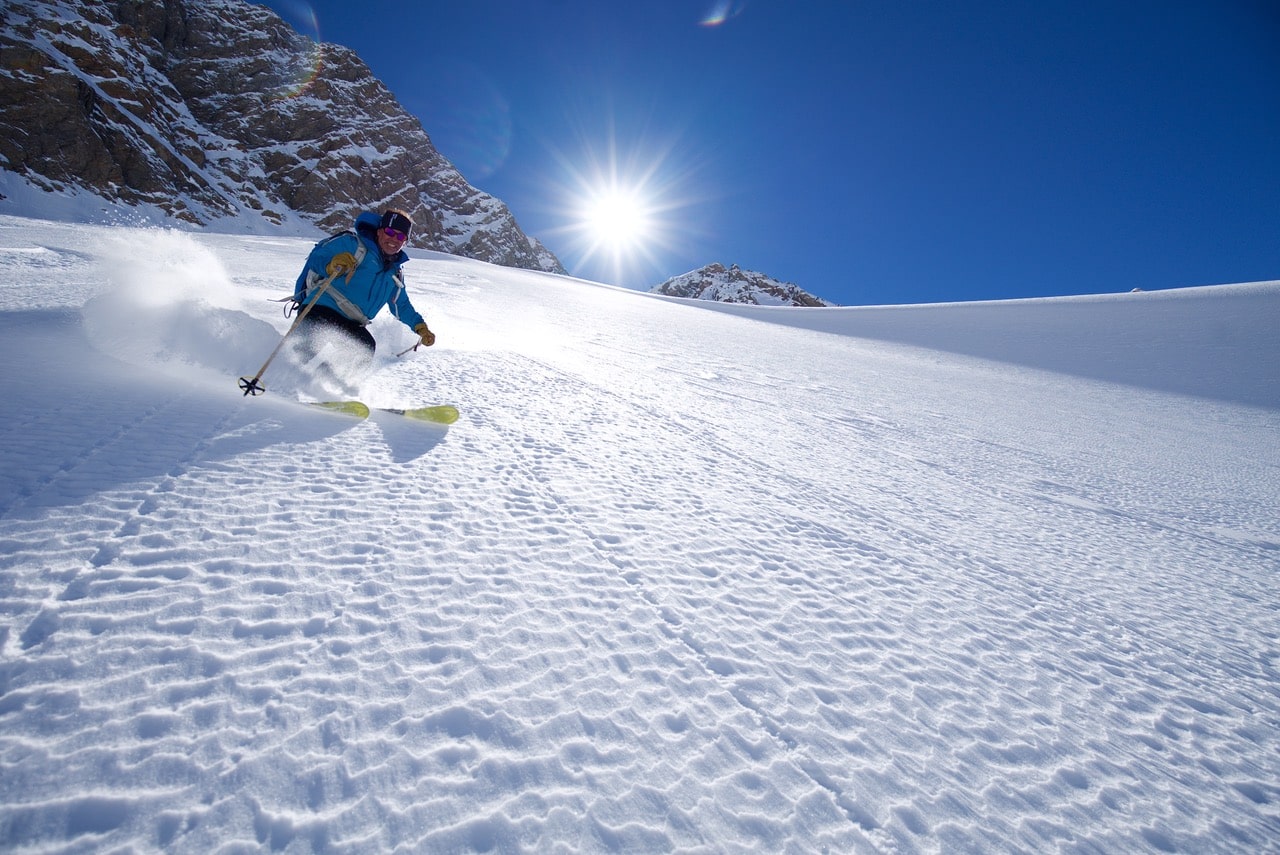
[{"x": 377, "y": 281}]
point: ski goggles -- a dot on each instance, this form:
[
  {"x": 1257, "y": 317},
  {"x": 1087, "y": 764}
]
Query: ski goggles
[{"x": 396, "y": 224}]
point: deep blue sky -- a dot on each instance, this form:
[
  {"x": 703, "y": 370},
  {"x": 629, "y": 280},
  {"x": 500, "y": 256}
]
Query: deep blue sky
[{"x": 890, "y": 151}]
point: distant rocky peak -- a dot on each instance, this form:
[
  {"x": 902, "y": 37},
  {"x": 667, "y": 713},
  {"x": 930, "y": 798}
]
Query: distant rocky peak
[{"x": 732, "y": 284}]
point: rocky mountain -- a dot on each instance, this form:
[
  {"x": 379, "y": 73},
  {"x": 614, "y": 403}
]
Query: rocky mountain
[
  {"x": 213, "y": 110},
  {"x": 735, "y": 285}
]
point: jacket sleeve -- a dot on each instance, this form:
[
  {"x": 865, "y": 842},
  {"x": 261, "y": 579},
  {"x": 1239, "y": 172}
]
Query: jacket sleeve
[{"x": 404, "y": 310}]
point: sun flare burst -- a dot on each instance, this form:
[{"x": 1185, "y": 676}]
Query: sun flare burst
[
  {"x": 624, "y": 213},
  {"x": 618, "y": 218}
]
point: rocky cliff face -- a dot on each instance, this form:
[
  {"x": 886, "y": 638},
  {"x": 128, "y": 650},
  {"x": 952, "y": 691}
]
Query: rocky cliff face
[
  {"x": 215, "y": 109},
  {"x": 734, "y": 285}
]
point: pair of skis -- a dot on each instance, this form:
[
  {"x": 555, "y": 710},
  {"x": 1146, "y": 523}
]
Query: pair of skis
[{"x": 440, "y": 415}]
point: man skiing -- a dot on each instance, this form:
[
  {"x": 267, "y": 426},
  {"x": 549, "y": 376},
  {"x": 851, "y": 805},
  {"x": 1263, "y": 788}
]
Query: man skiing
[{"x": 364, "y": 271}]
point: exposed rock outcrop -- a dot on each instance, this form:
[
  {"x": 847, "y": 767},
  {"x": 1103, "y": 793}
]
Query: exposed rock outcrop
[
  {"x": 735, "y": 285},
  {"x": 214, "y": 109}
]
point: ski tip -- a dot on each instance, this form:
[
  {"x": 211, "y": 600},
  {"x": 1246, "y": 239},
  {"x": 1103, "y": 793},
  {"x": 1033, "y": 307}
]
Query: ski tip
[
  {"x": 442, "y": 415},
  {"x": 348, "y": 408}
]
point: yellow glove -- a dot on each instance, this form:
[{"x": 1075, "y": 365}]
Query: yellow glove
[
  {"x": 343, "y": 262},
  {"x": 427, "y": 336}
]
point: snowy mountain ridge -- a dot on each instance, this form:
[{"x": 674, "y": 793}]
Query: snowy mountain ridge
[
  {"x": 217, "y": 112},
  {"x": 715, "y": 282}
]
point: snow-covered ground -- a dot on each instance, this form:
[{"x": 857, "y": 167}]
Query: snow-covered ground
[{"x": 980, "y": 578}]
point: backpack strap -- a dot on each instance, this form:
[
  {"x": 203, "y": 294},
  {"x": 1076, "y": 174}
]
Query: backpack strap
[
  {"x": 398, "y": 276},
  {"x": 348, "y": 308},
  {"x": 361, "y": 249}
]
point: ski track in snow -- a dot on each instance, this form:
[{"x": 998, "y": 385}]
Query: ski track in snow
[{"x": 677, "y": 580}]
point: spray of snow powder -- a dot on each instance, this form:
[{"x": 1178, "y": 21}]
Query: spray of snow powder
[{"x": 170, "y": 304}]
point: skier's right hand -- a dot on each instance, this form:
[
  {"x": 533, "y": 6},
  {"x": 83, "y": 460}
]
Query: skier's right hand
[{"x": 343, "y": 262}]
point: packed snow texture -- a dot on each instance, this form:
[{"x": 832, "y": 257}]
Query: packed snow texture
[{"x": 975, "y": 578}]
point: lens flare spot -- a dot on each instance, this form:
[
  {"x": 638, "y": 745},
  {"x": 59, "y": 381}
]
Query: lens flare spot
[
  {"x": 308, "y": 62},
  {"x": 722, "y": 11},
  {"x": 299, "y": 15},
  {"x": 305, "y": 73}
]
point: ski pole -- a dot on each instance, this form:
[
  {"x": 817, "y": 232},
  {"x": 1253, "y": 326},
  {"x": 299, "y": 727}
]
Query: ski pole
[{"x": 253, "y": 385}]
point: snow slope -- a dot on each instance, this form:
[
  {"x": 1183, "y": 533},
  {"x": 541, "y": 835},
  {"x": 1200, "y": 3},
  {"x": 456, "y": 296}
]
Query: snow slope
[{"x": 683, "y": 577}]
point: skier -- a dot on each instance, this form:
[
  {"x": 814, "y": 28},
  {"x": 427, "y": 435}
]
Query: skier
[{"x": 365, "y": 270}]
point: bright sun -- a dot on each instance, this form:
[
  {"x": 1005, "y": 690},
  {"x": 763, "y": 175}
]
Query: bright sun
[
  {"x": 617, "y": 219},
  {"x": 622, "y": 211}
]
